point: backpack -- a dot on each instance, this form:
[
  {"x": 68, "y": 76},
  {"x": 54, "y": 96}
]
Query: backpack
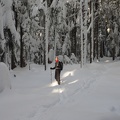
[{"x": 61, "y": 65}]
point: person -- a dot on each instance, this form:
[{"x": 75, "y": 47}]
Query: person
[{"x": 58, "y": 68}]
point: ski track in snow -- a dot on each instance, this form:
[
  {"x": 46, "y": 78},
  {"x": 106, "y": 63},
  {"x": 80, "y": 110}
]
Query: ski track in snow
[{"x": 63, "y": 97}]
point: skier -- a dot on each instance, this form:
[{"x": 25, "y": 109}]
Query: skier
[{"x": 58, "y": 67}]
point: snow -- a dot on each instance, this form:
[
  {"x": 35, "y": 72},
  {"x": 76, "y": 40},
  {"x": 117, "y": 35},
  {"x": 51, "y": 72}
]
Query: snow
[
  {"x": 88, "y": 93},
  {"x": 5, "y": 82}
]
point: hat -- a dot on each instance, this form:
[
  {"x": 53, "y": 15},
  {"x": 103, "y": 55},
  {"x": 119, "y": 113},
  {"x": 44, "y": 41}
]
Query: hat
[{"x": 56, "y": 59}]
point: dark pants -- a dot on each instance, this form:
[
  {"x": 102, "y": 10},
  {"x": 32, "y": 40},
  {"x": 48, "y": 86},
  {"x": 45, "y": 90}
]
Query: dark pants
[{"x": 57, "y": 74}]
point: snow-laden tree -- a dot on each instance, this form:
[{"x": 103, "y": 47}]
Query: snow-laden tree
[
  {"x": 9, "y": 37},
  {"x": 86, "y": 28},
  {"x": 111, "y": 15}
]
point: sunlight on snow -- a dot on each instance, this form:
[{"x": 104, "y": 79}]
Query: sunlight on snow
[
  {"x": 73, "y": 82},
  {"x": 58, "y": 90},
  {"x": 107, "y": 61},
  {"x": 97, "y": 60},
  {"x": 54, "y": 84},
  {"x": 69, "y": 73}
]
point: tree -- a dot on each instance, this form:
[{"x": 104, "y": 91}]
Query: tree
[
  {"x": 111, "y": 16},
  {"x": 32, "y": 28},
  {"x": 8, "y": 27}
]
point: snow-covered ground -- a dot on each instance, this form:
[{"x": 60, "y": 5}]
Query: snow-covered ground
[{"x": 90, "y": 93}]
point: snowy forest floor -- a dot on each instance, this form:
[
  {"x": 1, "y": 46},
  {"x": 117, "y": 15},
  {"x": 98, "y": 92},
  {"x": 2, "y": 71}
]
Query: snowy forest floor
[{"x": 88, "y": 93}]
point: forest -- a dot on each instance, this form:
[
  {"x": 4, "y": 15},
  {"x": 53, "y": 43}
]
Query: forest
[{"x": 80, "y": 31}]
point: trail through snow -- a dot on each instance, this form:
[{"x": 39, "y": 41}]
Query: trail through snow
[{"x": 71, "y": 85}]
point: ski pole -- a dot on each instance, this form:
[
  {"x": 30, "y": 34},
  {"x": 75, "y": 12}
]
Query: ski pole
[{"x": 51, "y": 76}]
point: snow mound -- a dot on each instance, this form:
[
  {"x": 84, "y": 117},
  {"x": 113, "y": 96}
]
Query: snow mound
[{"x": 4, "y": 77}]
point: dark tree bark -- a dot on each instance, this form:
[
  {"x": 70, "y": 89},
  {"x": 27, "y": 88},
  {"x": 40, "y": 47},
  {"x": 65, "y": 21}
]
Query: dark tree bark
[
  {"x": 22, "y": 58},
  {"x": 15, "y": 15},
  {"x": 73, "y": 40},
  {"x": 10, "y": 46},
  {"x": 96, "y": 25}
]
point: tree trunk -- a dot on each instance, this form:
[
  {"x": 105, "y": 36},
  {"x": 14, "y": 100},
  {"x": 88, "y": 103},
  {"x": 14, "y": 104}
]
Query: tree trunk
[
  {"x": 73, "y": 40},
  {"x": 113, "y": 53},
  {"x": 21, "y": 47},
  {"x": 81, "y": 18},
  {"x": 15, "y": 14}
]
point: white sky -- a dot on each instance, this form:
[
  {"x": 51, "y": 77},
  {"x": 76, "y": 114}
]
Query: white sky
[{"x": 91, "y": 93}]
